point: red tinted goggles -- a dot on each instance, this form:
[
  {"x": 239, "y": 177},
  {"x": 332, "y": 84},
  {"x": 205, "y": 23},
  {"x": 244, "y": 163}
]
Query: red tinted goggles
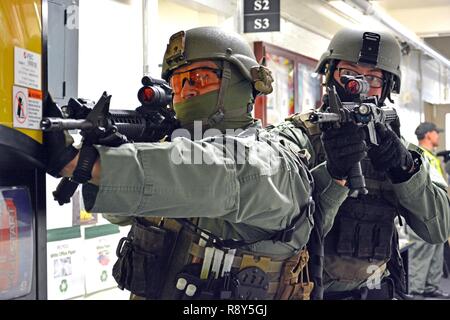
[{"x": 198, "y": 78}]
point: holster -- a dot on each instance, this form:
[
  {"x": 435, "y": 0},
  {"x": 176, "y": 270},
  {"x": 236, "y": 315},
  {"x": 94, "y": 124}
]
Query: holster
[{"x": 143, "y": 259}]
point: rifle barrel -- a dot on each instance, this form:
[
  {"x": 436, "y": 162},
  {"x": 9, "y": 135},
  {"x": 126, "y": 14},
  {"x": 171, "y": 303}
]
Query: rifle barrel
[
  {"x": 57, "y": 124},
  {"x": 321, "y": 117}
]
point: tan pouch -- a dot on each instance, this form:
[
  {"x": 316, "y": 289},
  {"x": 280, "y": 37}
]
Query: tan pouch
[{"x": 294, "y": 281}]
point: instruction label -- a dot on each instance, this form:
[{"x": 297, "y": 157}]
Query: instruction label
[
  {"x": 27, "y": 108},
  {"x": 27, "y": 68}
]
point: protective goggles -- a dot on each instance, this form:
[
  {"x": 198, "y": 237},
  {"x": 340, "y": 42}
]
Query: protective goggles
[{"x": 198, "y": 78}]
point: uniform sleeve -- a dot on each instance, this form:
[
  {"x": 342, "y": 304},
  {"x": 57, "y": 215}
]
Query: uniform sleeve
[
  {"x": 244, "y": 180},
  {"x": 424, "y": 196},
  {"x": 328, "y": 194}
]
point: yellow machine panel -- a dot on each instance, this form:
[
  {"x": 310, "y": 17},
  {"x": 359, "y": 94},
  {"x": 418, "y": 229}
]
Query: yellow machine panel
[{"x": 21, "y": 66}]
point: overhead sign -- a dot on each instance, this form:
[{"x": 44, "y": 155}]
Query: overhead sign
[{"x": 261, "y": 15}]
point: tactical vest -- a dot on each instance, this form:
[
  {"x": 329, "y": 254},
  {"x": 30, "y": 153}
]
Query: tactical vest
[
  {"x": 164, "y": 258},
  {"x": 363, "y": 236}
]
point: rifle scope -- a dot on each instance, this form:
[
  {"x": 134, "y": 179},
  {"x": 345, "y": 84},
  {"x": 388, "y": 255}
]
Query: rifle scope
[
  {"x": 355, "y": 85},
  {"x": 154, "y": 93}
]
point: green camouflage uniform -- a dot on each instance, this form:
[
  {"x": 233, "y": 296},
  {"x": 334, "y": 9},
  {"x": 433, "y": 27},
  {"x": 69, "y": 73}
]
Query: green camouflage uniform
[{"x": 241, "y": 201}]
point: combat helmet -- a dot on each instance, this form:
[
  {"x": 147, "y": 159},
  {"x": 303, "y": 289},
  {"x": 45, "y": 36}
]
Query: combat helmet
[
  {"x": 213, "y": 43},
  {"x": 378, "y": 49}
]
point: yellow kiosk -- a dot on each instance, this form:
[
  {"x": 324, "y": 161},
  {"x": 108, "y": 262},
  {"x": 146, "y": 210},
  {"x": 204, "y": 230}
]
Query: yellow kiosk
[{"x": 23, "y": 83}]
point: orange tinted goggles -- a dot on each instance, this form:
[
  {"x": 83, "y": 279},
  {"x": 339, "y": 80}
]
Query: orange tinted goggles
[{"x": 198, "y": 78}]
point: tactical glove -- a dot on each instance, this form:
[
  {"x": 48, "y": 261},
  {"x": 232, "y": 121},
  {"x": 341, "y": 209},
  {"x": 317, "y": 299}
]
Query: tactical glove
[
  {"x": 391, "y": 155},
  {"x": 58, "y": 146},
  {"x": 344, "y": 147}
]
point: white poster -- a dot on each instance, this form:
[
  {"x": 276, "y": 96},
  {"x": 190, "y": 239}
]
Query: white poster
[
  {"x": 100, "y": 256},
  {"x": 27, "y": 108},
  {"x": 27, "y": 68},
  {"x": 65, "y": 269}
]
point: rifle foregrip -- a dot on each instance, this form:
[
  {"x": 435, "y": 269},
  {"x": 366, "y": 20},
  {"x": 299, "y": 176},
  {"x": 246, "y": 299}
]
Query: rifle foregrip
[
  {"x": 65, "y": 190},
  {"x": 356, "y": 180}
]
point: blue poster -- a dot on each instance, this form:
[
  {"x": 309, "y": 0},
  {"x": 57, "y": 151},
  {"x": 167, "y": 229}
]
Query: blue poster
[{"x": 16, "y": 242}]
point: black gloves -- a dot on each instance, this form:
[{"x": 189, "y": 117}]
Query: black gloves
[
  {"x": 344, "y": 147},
  {"x": 57, "y": 144},
  {"x": 391, "y": 155}
]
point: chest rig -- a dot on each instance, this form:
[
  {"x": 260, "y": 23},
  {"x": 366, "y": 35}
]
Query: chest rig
[
  {"x": 364, "y": 226},
  {"x": 363, "y": 234}
]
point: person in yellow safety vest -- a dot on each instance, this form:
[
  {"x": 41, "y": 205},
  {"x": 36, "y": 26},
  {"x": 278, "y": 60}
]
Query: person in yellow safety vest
[{"x": 426, "y": 260}]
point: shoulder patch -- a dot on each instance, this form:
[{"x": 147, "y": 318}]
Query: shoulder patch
[{"x": 412, "y": 147}]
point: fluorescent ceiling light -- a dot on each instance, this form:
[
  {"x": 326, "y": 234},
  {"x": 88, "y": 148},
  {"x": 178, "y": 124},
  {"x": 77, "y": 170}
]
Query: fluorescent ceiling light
[
  {"x": 373, "y": 10},
  {"x": 347, "y": 10},
  {"x": 363, "y": 21},
  {"x": 339, "y": 19}
]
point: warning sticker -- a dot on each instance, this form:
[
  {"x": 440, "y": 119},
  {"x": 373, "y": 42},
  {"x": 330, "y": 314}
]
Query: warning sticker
[
  {"x": 27, "y": 108},
  {"x": 27, "y": 68}
]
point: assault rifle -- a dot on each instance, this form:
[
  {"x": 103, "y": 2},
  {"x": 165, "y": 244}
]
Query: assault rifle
[
  {"x": 153, "y": 121},
  {"x": 363, "y": 111},
  {"x": 150, "y": 122}
]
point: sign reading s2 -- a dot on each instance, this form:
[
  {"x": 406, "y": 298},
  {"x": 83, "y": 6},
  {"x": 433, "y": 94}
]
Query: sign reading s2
[{"x": 259, "y": 5}]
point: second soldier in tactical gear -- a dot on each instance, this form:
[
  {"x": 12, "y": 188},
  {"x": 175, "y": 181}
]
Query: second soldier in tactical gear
[
  {"x": 206, "y": 229},
  {"x": 363, "y": 243}
]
